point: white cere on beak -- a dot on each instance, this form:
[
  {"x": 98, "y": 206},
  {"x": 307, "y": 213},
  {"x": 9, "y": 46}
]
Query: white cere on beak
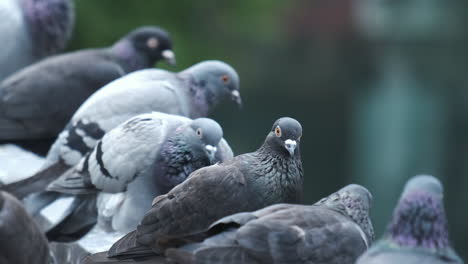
[
  {"x": 290, "y": 145},
  {"x": 235, "y": 95},
  {"x": 169, "y": 56},
  {"x": 211, "y": 151}
]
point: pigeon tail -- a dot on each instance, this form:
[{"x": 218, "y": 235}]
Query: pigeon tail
[
  {"x": 36, "y": 183},
  {"x": 81, "y": 219},
  {"x": 102, "y": 258},
  {"x": 128, "y": 248}
]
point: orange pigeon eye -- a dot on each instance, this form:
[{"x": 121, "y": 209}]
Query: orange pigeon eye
[
  {"x": 278, "y": 131},
  {"x": 225, "y": 78}
]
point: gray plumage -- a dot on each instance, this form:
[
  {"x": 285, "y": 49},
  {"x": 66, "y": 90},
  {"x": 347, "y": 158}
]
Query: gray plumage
[
  {"x": 39, "y": 100},
  {"x": 31, "y": 30},
  {"x": 21, "y": 240},
  {"x": 335, "y": 230},
  {"x": 193, "y": 93},
  {"x": 248, "y": 182},
  {"x": 418, "y": 231},
  {"x": 144, "y": 157}
]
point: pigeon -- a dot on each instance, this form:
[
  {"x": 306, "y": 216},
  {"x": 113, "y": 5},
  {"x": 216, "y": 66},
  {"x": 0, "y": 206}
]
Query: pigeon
[
  {"x": 335, "y": 230},
  {"x": 193, "y": 93},
  {"x": 38, "y": 101},
  {"x": 21, "y": 240},
  {"x": 31, "y": 30},
  {"x": 418, "y": 231},
  {"x": 142, "y": 158},
  {"x": 272, "y": 174}
]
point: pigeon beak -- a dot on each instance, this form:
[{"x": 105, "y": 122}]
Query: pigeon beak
[
  {"x": 169, "y": 57},
  {"x": 211, "y": 150},
  {"x": 235, "y": 96},
  {"x": 290, "y": 145}
]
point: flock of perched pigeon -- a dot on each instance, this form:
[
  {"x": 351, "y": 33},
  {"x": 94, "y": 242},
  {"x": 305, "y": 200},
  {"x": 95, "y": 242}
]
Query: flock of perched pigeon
[{"x": 136, "y": 155}]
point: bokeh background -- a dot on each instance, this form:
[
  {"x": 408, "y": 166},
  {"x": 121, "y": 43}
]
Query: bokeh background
[{"x": 380, "y": 86}]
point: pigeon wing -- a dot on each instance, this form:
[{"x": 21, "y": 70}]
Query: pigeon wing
[
  {"x": 186, "y": 209},
  {"x": 127, "y": 151}
]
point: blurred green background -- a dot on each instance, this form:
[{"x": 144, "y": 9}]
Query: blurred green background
[{"x": 378, "y": 85}]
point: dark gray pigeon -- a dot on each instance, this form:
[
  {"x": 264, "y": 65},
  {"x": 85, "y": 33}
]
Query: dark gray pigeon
[
  {"x": 39, "y": 100},
  {"x": 335, "y": 230},
  {"x": 272, "y": 174},
  {"x": 31, "y": 30},
  {"x": 140, "y": 159},
  {"x": 418, "y": 231},
  {"x": 21, "y": 240},
  {"x": 193, "y": 93}
]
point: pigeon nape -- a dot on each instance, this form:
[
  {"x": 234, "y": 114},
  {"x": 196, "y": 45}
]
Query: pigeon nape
[{"x": 418, "y": 230}]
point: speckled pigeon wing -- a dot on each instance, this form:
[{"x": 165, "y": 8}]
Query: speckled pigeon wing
[
  {"x": 243, "y": 218},
  {"x": 187, "y": 208},
  {"x": 297, "y": 236},
  {"x": 126, "y": 151}
]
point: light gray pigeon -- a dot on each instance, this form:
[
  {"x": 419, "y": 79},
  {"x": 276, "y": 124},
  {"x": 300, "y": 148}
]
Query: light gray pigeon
[
  {"x": 418, "y": 231},
  {"x": 140, "y": 159},
  {"x": 31, "y": 30},
  {"x": 193, "y": 93},
  {"x": 39, "y": 100},
  {"x": 272, "y": 174},
  {"x": 335, "y": 230},
  {"x": 21, "y": 240}
]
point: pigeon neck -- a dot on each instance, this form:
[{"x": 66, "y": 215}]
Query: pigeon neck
[
  {"x": 284, "y": 173},
  {"x": 271, "y": 148},
  {"x": 352, "y": 207},
  {"x": 131, "y": 60},
  {"x": 178, "y": 162},
  {"x": 419, "y": 221},
  {"x": 50, "y": 23},
  {"x": 201, "y": 98}
]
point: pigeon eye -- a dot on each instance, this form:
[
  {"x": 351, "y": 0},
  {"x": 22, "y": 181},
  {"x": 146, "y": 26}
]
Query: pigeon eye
[
  {"x": 199, "y": 133},
  {"x": 152, "y": 43},
  {"x": 278, "y": 131},
  {"x": 225, "y": 78}
]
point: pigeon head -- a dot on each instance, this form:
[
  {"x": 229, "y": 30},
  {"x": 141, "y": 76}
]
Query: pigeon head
[
  {"x": 145, "y": 46},
  {"x": 419, "y": 219},
  {"x": 213, "y": 81},
  {"x": 285, "y": 136},
  {"x": 355, "y": 202},
  {"x": 206, "y": 134}
]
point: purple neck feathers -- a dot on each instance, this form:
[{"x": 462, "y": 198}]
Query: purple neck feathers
[
  {"x": 419, "y": 221},
  {"x": 198, "y": 93},
  {"x": 130, "y": 58},
  {"x": 51, "y": 23}
]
